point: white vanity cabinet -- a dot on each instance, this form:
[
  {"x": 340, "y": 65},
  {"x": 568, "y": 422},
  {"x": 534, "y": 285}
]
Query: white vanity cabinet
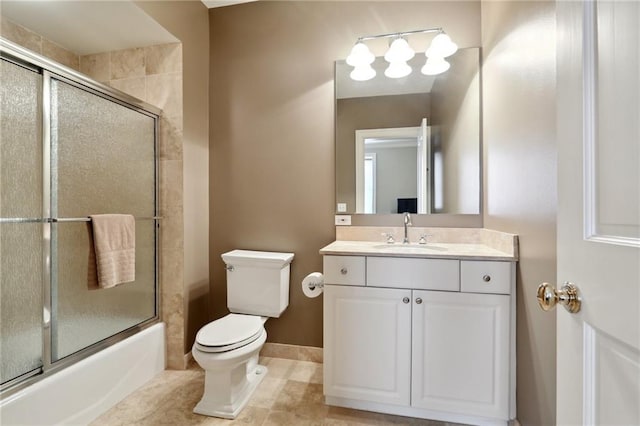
[
  {"x": 362, "y": 329},
  {"x": 460, "y": 353},
  {"x": 429, "y": 338}
]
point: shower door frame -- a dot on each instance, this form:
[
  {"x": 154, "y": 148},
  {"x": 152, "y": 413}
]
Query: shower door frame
[{"x": 50, "y": 70}]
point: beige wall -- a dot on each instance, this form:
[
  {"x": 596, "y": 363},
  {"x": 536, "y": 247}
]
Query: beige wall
[
  {"x": 272, "y": 122},
  {"x": 520, "y": 178},
  {"x": 189, "y": 22},
  {"x": 376, "y": 112}
]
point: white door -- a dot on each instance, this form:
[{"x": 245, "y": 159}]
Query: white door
[
  {"x": 367, "y": 344},
  {"x": 598, "y": 348}
]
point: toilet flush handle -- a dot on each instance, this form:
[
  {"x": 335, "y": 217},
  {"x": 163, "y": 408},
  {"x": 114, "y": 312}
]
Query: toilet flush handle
[{"x": 229, "y": 268}]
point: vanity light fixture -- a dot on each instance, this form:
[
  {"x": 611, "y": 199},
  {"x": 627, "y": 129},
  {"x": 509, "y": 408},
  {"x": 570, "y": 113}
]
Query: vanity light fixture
[
  {"x": 399, "y": 53},
  {"x": 441, "y": 46},
  {"x": 361, "y": 59}
]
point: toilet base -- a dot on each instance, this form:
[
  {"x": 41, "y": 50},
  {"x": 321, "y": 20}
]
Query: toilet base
[{"x": 230, "y": 409}]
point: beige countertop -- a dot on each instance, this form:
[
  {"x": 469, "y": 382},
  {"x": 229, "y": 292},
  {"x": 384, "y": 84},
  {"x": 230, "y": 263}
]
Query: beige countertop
[
  {"x": 443, "y": 243},
  {"x": 463, "y": 251}
]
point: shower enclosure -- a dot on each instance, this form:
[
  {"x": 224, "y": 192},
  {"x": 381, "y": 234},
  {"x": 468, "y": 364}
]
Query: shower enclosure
[{"x": 69, "y": 147}]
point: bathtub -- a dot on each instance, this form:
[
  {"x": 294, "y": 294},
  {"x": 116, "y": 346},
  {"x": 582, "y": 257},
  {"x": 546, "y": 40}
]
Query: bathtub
[{"x": 80, "y": 393}]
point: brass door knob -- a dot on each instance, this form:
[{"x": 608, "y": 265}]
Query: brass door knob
[{"x": 568, "y": 296}]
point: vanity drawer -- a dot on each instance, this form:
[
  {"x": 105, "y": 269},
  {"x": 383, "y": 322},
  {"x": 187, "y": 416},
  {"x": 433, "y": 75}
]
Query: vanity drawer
[
  {"x": 486, "y": 277},
  {"x": 344, "y": 270},
  {"x": 424, "y": 274}
]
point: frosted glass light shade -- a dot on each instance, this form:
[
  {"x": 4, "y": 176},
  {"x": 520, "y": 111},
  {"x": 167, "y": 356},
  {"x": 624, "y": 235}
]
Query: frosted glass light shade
[
  {"x": 362, "y": 73},
  {"x": 435, "y": 65},
  {"x": 397, "y": 70},
  {"x": 441, "y": 46},
  {"x": 399, "y": 51},
  {"x": 360, "y": 55}
]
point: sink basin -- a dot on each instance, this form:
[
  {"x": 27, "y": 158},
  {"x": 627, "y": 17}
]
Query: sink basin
[{"x": 399, "y": 247}]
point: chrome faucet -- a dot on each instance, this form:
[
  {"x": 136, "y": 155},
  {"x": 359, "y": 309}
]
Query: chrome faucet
[{"x": 407, "y": 222}]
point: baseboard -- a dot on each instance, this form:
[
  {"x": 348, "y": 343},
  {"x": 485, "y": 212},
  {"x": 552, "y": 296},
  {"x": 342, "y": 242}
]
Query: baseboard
[
  {"x": 188, "y": 359},
  {"x": 299, "y": 353}
]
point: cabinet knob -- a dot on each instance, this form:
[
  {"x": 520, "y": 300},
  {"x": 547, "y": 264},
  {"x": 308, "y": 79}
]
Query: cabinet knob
[
  {"x": 405, "y": 300},
  {"x": 419, "y": 301},
  {"x": 344, "y": 271},
  {"x": 486, "y": 278}
]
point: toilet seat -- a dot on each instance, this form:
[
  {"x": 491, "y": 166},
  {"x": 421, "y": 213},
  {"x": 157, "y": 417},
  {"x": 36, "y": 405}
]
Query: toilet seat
[{"x": 230, "y": 332}]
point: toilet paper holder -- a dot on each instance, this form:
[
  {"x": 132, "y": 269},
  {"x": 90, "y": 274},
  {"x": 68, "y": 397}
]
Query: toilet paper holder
[{"x": 313, "y": 284}]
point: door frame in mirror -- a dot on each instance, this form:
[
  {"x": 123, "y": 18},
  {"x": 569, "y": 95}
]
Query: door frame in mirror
[{"x": 422, "y": 163}]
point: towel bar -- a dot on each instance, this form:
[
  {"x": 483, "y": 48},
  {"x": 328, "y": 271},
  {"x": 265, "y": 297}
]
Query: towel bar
[
  {"x": 60, "y": 219},
  {"x": 88, "y": 219}
]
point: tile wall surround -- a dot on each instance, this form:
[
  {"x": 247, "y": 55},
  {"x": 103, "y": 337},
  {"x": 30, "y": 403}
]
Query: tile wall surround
[
  {"x": 38, "y": 44},
  {"x": 154, "y": 75},
  {"x": 501, "y": 241}
]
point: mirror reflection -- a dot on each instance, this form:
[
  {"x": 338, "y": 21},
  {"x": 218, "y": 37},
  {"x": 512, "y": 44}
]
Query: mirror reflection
[{"x": 409, "y": 144}]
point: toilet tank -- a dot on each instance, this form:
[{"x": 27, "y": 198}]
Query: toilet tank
[{"x": 257, "y": 282}]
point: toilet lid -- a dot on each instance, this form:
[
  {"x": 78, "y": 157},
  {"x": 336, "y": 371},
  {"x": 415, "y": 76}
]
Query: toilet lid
[{"x": 230, "y": 332}]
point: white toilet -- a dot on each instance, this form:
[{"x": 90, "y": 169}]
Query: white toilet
[{"x": 227, "y": 349}]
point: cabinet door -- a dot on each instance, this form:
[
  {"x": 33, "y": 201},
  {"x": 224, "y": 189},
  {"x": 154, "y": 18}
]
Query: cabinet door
[
  {"x": 461, "y": 353},
  {"x": 367, "y": 346}
]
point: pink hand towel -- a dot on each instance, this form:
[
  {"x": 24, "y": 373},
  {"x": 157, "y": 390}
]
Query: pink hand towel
[{"x": 114, "y": 239}]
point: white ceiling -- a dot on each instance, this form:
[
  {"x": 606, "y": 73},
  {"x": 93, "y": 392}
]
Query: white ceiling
[{"x": 86, "y": 27}]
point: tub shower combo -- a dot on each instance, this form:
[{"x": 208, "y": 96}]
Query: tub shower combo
[{"x": 69, "y": 148}]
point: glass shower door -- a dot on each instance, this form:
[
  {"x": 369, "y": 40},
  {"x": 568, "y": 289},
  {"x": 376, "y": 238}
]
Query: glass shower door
[
  {"x": 21, "y": 222},
  {"x": 70, "y": 148},
  {"x": 102, "y": 161}
]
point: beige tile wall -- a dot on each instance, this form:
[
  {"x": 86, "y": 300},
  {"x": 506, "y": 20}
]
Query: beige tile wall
[
  {"x": 36, "y": 43},
  {"x": 154, "y": 75}
]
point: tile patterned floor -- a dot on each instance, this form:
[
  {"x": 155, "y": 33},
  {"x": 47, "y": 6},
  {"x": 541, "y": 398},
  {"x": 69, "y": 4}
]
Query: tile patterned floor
[{"x": 291, "y": 394}]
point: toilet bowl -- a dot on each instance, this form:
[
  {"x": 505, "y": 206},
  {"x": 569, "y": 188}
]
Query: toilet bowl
[{"x": 228, "y": 348}]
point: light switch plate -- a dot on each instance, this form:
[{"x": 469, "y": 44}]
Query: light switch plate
[
  {"x": 343, "y": 219},
  {"x": 342, "y": 207}
]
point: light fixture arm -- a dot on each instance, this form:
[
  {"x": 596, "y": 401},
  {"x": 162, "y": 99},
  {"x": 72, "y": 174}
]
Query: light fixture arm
[{"x": 401, "y": 34}]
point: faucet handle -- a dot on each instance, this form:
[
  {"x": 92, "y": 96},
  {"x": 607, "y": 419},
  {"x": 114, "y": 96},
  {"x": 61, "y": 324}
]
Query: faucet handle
[
  {"x": 423, "y": 238},
  {"x": 389, "y": 237}
]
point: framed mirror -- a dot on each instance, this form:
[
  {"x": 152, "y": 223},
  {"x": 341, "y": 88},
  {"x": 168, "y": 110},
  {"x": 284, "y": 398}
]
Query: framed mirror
[{"x": 409, "y": 144}]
